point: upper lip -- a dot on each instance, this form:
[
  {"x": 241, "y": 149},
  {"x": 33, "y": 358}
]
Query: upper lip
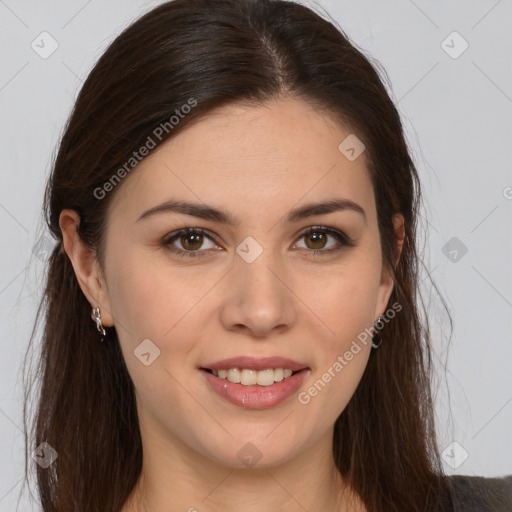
[{"x": 256, "y": 363}]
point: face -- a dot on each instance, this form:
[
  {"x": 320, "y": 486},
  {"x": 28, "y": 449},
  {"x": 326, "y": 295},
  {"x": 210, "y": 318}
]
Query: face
[{"x": 252, "y": 284}]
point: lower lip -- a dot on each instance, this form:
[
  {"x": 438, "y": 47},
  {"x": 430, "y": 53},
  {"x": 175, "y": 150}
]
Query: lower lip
[{"x": 256, "y": 397}]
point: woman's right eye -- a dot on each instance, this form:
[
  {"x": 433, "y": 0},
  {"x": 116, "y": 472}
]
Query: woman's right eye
[{"x": 190, "y": 239}]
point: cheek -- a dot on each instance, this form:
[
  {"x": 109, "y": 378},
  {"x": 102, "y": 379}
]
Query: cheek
[
  {"x": 342, "y": 298},
  {"x": 150, "y": 298},
  {"x": 345, "y": 308},
  {"x": 342, "y": 302},
  {"x": 151, "y": 302}
]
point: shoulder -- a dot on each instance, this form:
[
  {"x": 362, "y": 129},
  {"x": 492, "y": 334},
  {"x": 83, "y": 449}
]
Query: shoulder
[{"x": 480, "y": 494}]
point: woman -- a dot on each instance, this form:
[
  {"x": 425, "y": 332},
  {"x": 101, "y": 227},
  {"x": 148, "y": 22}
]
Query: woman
[{"x": 235, "y": 209}]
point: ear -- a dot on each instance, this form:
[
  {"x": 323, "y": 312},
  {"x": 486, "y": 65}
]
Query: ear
[
  {"x": 86, "y": 266},
  {"x": 387, "y": 283}
]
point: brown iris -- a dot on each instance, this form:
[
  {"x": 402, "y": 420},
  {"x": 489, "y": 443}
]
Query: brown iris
[
  {"x": 191, "y": 241},
  {"x": 318, "y": 238}
]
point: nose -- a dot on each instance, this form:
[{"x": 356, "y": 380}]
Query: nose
[{"x": 259, "y": 299}]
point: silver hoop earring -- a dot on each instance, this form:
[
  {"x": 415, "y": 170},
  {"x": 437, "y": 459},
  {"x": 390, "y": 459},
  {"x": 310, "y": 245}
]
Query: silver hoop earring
[{"x": 99, "y": 325}]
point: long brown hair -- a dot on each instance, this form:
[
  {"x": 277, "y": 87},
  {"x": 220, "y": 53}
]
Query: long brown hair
[{"x": 218, "y": 52}]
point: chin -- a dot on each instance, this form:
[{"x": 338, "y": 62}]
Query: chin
[{"x": 245, "y": 451}]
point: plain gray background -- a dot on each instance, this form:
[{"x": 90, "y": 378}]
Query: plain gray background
[{"x": 457, "y": 110}]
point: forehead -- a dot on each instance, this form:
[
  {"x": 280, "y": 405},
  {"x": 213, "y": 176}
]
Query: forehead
[{"x": 254, "y": 158}]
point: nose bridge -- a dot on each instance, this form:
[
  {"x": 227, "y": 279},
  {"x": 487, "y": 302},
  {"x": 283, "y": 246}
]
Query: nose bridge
[
  {"x": 258, "y": 297},
  {"x": 255, "y": 268}
]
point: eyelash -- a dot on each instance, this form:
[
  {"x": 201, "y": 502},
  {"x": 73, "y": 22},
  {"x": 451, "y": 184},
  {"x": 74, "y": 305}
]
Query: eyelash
[{"x": 343, "y": 239}]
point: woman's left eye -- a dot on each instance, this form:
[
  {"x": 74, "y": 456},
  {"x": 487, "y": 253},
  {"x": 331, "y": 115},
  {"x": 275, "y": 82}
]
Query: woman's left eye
[
  {"x": 318, "y": 237},
  {"x": 192, "y": 240}
]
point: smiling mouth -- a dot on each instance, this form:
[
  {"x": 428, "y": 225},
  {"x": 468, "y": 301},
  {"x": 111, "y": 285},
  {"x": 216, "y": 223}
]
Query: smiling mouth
[{"x": 248, "y": 377}]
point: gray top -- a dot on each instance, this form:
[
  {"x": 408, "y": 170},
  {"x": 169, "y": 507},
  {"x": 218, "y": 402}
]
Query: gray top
[{"x": 480, "y": 494}]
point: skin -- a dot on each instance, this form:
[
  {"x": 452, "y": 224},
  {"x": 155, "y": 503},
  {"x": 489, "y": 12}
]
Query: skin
[{"x": 257, "y": 163}]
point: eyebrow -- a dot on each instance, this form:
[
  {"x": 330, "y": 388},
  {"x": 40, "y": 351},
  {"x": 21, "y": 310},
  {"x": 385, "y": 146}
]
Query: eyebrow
[{"x": 207, "y": 212}]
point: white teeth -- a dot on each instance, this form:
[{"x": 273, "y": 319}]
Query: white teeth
[
  {"x": 265, "y": 377},
  {"x": 278, "y": 374},
  {"x": 234, "y": 375},
  {"x": 248, "y": 377},
  {"x": 251, "y": 377}
]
